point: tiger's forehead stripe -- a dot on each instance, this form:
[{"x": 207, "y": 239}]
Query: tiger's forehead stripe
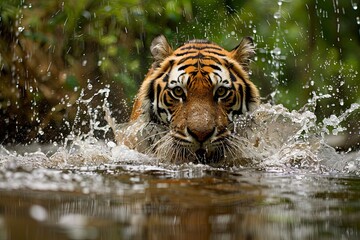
[
  {"x": 199, "y": 56},
  {"x": 203, "y": 52},
  {"x": 184, "y": 53},
  {"x": 200, "y": 46}
]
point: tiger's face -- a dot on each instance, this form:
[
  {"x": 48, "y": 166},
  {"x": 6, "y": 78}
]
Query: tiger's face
[{"x": 196, "y": 91}]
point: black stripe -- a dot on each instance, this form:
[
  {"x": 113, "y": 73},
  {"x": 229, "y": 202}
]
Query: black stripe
[
  {"x": 159, "y": 75},
  {"x": 241, "y": 91},
  {"x": 187, "y": 65},
  {"x": 158, "y": 91},
  {"x": 167, "y": 103},
  {"x": 159, "y": 110},
  {"x": 227, "y": 64},
  {"x": 248, "y": 96},
  {"x": 214, "y": 67},
  {"x": 198, "y": 56},
  {"x": 187, "y": 58},
  {"x": 216, "y": 53},
  {"x": 150, "y": 93},
  {"x": 239, "y": 76},
  {"x": 184, "y": 53},
  {"x": 166, "y": 73},
  {"x": 206, "y": 80},
  {"x": 232, "y": 77},
  {"x": 200, "y": 48},
  {"x": 233, "y": 98},
  {"x": 207, "y": 51},
  {"x": 247, "y": 91},
  {"x": 166, "y": 78},
  {"x": 214, "y": 59},
  {"x": 217, "y": 75},
  {"x": 241, "y": 99},
  {"x": 191, "y": 52}
]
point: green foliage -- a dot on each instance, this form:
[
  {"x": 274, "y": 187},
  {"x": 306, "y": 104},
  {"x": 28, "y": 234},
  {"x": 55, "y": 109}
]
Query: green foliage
[{"x": 51, "y": 49}]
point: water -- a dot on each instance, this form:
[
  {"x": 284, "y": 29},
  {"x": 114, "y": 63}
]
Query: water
[
  {"x": 124, "y": 201},
  {"x": 219, "y": 204},
  {"x": 287, "y": 183}
]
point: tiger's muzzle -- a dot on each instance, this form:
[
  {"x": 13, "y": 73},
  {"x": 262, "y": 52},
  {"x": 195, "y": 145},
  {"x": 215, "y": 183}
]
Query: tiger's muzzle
[{"x": 200, "y": 126}]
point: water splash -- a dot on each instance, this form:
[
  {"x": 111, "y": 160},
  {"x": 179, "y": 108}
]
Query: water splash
[{"x": 274, "y": 139}]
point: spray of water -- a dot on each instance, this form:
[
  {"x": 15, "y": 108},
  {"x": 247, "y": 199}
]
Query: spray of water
[{"x": 273, "y": 136}]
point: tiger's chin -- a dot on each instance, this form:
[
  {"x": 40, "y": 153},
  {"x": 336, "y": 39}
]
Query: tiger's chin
[
  {"x": 182, "y": 154},
  {"x": 158, "y": 141},
  {"x": 172, "y": 150},
  {"x": 204, "y": 156}
]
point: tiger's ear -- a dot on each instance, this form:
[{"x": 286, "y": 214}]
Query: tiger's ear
[
  {"x": 244, "y": 52},
  {"x": 160, "y": 49}
]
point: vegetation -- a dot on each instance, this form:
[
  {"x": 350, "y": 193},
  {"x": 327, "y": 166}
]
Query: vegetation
[{"x": 52, "y": 50}]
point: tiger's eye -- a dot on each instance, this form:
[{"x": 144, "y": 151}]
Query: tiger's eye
[
  {"x": 221, "y": 92},
  {"x": 178, "y": 92}
]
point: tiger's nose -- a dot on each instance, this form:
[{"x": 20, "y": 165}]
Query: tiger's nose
[{"x": 201, "y": 135}]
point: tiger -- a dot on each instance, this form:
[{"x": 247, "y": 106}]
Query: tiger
[{"x": 185, "y": 108}]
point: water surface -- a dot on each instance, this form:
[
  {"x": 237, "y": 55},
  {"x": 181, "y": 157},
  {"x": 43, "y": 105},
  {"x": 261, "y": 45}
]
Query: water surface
[
  {"x": 292, "y": 186},
  {"x": 196, "y": 202}
]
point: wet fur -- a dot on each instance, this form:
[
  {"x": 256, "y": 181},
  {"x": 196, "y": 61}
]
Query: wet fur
[{"x": 197, "y": 127}]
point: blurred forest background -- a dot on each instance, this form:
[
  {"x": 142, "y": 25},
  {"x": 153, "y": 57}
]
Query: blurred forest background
[{"x": 53, "y": 52}]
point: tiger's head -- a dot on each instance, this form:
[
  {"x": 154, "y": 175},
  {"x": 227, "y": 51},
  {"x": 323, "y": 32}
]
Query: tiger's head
[{"x": 196, "y": 91}]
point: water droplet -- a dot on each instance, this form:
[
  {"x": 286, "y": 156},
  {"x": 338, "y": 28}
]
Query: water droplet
[
  {"x": 108, "y": 8},
  {"x": 277, "y": 51},
  {"x": 84, "y": 63},
  {"x": 86, "y": 14},
  {"x": 99, "y": 63},
  {"x": 20, "y": 29},
  {"x": 358, "y": 20},
  {"x": 38, "y": 213},
  {"x": 89, "y": 86},
  {"x": 354, "y": 5},
  {"x": 111, "y": 144},
  {"x": 277, "y": 15}
]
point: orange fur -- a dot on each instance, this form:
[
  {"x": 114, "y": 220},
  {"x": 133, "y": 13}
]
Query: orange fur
[{"x": 195, "y": 91}]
